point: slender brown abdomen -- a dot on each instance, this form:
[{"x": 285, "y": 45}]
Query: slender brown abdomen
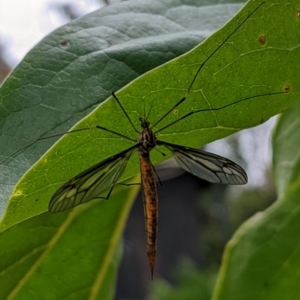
[{"x": 150, "y": 205}]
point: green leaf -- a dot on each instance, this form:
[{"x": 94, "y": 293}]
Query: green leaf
[
  {"x": 286, "y": 154},
  {"x": 71, "y": 255},
  {"x": 262, "y": 259}
]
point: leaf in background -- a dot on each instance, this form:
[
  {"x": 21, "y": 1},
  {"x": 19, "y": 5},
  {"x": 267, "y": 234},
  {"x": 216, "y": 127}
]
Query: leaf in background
[
  {"x": 262, "y": 260},
  {"x": 71, "y": 255},
  {"x": 286, "y": 154}
]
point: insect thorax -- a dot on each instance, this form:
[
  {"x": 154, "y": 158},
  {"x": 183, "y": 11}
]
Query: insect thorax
[{"x": 147, "y": 138}]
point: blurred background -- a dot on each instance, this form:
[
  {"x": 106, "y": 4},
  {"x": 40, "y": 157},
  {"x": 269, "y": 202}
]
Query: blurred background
[{"x": 196, "y": 218}]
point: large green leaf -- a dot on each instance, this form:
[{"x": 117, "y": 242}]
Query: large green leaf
[
  {"x": 262, "y": 260},
  {"x": 245, "y": 66},
  {"x": 286, "y": 155},
  {"x": 71, "y": 255}
]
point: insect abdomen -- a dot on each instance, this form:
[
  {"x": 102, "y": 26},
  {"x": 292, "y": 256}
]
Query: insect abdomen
[{"x": 150, "y": 205}]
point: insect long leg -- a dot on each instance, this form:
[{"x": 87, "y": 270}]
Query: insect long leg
[
  {"x": 41, "y": 139},
  {"x": 128, "y": 184},
  {"x": 61, "y": 134},
  {"x": 216, "y": 108},
  {"x": 204, "y": 62},
  {"x": 168, "y": 112},
  {"x": 114, "y": 132},
  {"x": 124, "y": 111},
  {"x": 158, "y": 178},
  {"x": 223, "y": 42}
]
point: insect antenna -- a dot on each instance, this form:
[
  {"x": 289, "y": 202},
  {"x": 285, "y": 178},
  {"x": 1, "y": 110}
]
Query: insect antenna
[{"x": 204, "y": 62}]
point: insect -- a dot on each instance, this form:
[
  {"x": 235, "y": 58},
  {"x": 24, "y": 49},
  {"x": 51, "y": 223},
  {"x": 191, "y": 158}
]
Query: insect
[{"x": 91, "y": 183}]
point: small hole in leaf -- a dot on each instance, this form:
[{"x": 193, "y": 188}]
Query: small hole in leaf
[{"x": 64, "y": 45}]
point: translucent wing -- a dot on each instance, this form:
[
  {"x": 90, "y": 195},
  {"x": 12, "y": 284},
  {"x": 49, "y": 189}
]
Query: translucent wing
[
  {"x": 208, "y": 166},
  {"x": 89, "y": 184}
]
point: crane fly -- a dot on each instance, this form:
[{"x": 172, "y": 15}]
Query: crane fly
[
  {"x": 93, "y": 182},
  {"x": 89, "y": 184}
]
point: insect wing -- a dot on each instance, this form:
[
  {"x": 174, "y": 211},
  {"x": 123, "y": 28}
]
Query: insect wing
[
  {"x": 89, "y": 184},
  {"x": 208, "y": 166}
]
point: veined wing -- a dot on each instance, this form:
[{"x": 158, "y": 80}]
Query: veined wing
[
  {"x": 89, "y": 184},
  {"x": 208, "y": 166}
]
